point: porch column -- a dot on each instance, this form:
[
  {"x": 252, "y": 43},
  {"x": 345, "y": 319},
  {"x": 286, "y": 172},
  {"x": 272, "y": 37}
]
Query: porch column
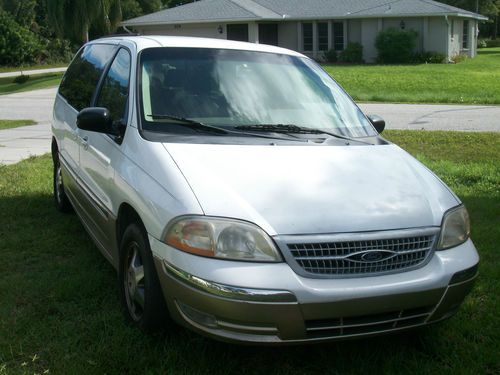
[{"x": 253, "y": 32}]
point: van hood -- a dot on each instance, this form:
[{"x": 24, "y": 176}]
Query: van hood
[{"x": 290, "y": 190}]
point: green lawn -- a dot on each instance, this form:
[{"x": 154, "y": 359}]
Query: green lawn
[
  {"x": 475, "y": 81},
  {"x": 10, "y": 124},
  {"x": 60, "y": 311},
  {"x": 6, "y": 69},
  {"x": 38, "y": 81}
]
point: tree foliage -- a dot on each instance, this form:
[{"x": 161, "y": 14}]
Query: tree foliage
[
  {"x": 18, "y": 45},
  {"x": 76, "y": 19},
  {"x": 490, "y": 8},
  {"x": 23, "y": 11}
]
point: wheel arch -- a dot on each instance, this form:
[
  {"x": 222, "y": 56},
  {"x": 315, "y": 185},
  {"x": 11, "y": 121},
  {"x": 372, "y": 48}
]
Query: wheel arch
[
  {"x": 126, "y": 216},
  {"x": 54, "y": 149}
]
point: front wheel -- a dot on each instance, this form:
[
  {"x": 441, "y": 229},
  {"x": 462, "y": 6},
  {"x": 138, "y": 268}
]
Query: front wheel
[
  {"x": 60, "y": 198},
  {"x": 140, "y": 291}
]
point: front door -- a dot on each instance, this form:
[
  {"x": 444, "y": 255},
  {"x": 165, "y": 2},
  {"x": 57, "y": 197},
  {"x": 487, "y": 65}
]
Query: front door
[
  {"x": 100, "y": 153},
  {"x": 268, "y": 33}
]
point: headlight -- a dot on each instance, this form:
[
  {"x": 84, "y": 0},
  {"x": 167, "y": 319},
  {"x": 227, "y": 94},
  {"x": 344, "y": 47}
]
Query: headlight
[
  {"x": 455, "y": 229},
  {"x": 222, "y": 238}
]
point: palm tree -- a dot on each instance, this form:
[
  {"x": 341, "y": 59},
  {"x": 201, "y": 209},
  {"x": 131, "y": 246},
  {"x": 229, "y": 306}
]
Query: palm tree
[{"x": 74, "y": 18}]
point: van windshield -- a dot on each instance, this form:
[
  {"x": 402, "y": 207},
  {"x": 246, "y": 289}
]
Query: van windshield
[{"x": 234, "y": 88}]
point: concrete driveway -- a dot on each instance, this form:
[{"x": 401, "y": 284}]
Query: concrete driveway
[{"x": 20, "y": 143}]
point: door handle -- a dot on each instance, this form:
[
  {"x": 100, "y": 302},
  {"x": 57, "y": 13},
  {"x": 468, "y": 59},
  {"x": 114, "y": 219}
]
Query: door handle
[{"x": 84, "y": 141}]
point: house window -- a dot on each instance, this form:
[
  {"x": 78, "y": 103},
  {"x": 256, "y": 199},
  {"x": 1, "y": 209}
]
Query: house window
[
  {"x": 323, "y": 36},
  {"x": 307, "y": 36},
  {"x": 465, "y": 35},
  {"x": 338, "y": 36},
  {"x": 237, "y": 32}
]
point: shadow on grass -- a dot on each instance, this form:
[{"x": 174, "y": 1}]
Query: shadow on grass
[
  {"x": 60, "y": 302},
  {"x": 486, "y": 52}
]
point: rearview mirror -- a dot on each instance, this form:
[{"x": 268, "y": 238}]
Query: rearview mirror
[
  {"x": 377, "y": 122},
  {"x": 96, "y": 119}
]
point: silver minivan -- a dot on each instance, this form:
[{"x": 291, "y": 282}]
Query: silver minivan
[{"x": 240, "y": 192}]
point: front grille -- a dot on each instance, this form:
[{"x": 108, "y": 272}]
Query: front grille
[
  {"x": 362, "y": 257},
  {"x": 362, "y": 325}
]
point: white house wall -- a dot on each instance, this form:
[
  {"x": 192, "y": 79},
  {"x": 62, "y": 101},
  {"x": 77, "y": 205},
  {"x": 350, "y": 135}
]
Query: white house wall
[
  {"x": 434, "y": 33},
  {"x": 354, "y": 31},
  {"x": 288, "y": 36},
  {"x": 437, "y": 31},
  {"x": 455, "y": 32},
  {"x": 208, "y": 30},
  {"x": 369, "y": 31},
  {"x": 413, "y": 23}
]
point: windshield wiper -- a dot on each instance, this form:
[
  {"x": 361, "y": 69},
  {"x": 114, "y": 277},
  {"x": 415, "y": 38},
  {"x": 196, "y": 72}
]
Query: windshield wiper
[
  {"x": 190, "y": 123},
  {"x": 294, "y": 129},
  {"x": 201, "y": 126}
]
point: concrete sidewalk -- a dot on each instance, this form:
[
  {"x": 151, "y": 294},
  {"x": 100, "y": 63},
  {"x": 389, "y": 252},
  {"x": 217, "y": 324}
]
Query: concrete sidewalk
[{"x": 32, "y": 72}]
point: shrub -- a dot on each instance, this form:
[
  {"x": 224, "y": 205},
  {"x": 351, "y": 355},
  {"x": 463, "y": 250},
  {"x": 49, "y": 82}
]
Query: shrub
[
  {"x": 57, "y": 50},
  {"x": 352, "y": 54},
  {"x": 459, "y": 58},
  {"x": 331, "y": 56},
  {"x": 482, "y": 43},
  {"x": 396, "y": 46},
  {"x": 429, "y": 58},
  {"x": 18, "y": 45},
  {"x": 493, "y": 43},
  {"x": 21, "y": 79}
]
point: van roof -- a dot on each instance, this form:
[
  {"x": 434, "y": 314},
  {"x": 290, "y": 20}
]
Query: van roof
[{"x": 148, "y": 41}]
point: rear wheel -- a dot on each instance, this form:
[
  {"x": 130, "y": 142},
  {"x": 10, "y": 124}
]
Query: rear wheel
[
  {"x": 140, "y": 291},
  {"x": 60, "y": 198}
]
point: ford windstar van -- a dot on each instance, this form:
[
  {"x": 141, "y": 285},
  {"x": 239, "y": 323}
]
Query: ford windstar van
[{"x": 240, "y": 192}]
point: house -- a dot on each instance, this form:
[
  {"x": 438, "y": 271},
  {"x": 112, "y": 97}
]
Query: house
[{"x": 316, "y": 26}]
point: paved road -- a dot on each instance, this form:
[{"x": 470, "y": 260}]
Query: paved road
[
  {"x": 32, "y": 72},
  {"x": 437, "y": 117},
  {"x": 20, "y": 143}
]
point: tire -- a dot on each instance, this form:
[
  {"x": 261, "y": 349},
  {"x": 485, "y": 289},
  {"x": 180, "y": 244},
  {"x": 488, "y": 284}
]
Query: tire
[
  {"x": 60, "y": 198},
  {"x": 140, "y": 291}
]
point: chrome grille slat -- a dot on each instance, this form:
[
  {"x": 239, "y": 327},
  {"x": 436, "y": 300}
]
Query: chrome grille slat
[
  {"x": 394, "y": 321},
  {"x": 357, "y": 325},
  {"x": 339, "y": 257}
]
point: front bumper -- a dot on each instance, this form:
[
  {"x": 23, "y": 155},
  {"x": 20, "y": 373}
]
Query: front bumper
[{"x": 272, "y": 304}]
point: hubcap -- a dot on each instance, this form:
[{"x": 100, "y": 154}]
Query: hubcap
[{"x": 134, "y": 281}]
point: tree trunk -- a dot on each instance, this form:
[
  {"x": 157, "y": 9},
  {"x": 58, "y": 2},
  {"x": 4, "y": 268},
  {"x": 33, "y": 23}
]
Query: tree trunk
[{"x": 86, "y": 34}]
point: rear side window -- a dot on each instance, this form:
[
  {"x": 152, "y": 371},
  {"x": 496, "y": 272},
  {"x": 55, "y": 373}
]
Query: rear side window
[
  {"x": 82, "y": 76},
  {"x": 114, "y": 91}
]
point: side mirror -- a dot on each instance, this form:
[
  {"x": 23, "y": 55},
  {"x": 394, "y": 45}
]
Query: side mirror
[
  {"x": 377, "y": 122},
  {"x": 96, "y": 119}
]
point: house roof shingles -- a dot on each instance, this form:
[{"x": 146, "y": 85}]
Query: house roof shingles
[{"x": 234, "y": 10}]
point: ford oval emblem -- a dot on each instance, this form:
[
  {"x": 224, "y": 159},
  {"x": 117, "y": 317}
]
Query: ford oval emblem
[{"x": 372, "y": 256}]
